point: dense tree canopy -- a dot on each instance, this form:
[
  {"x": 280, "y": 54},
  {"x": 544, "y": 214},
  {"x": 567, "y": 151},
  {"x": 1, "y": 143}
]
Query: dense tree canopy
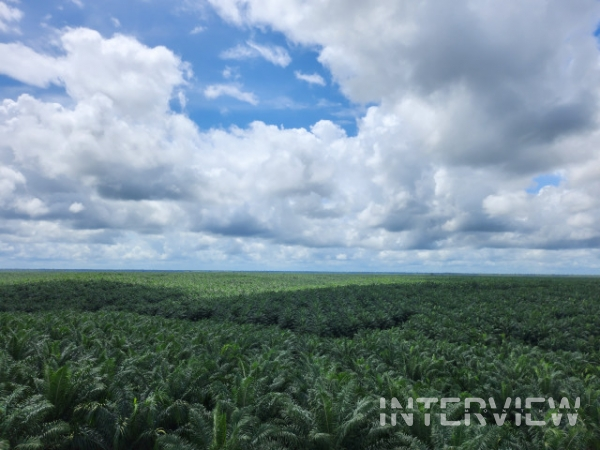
[{"x": 261, "y": 361}]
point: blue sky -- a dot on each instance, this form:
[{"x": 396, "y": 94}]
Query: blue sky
[
  {"x": 300, "y": 135},
  {"x": 201, "y": 38}
]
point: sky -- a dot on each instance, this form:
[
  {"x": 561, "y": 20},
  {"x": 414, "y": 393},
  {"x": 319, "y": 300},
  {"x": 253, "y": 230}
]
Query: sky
[{"x": 317, "y": 135}]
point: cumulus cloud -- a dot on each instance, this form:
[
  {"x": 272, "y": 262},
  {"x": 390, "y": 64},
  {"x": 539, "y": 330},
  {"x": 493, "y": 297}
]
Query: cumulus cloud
[
  {"x": 24, "y": 64},
  {"x": 32, "y": 206},
  {"x": 136, "y": 80},
  {"x": 230, "y": 90},
  {"x": 9, "y": 180},
  {"x": 496, "y": 92},
  {"x": 149, "y": 173},
  {"x": 274, "y": 54},
  {"x": 472, "y": 103},
  {"x": 504, "y": 80},
  {"x": 312, "y": 78}
]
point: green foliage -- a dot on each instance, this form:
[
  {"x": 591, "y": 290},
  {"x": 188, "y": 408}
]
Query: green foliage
[{"x": 263, "y": 361}]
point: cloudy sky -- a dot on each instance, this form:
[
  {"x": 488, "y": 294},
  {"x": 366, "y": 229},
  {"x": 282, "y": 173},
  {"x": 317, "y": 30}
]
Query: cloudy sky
[{"x": 337, "y": 135}]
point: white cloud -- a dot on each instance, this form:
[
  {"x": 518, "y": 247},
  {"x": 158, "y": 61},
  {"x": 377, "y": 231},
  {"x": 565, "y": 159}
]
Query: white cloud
[
  {"x": 9, "y": 180},
  {"x": 435, "y": 177},
  {"x": 136, "y": 79},
  {"x": 24, "y": 64},
  {"x": 76, "y": 207},
  {"x": 231, "y": 73},
  {"x": 182, "y": 99},
  {"x": 239, "y": 52},
  {"x": 274, "y": 54},
  {"x": 198, "y": 29},
  {"x": 488, "y": 95},
  {"x": 230, "y": 90},
  {"x": 116, "y": 22},
  {"x": 31, "y": 206},
  {"x": 9, "y": 17},
  {"x": 313, "y": 78}
]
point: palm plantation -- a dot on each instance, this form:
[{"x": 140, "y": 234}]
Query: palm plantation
[{"x": 138, "y": 361}]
